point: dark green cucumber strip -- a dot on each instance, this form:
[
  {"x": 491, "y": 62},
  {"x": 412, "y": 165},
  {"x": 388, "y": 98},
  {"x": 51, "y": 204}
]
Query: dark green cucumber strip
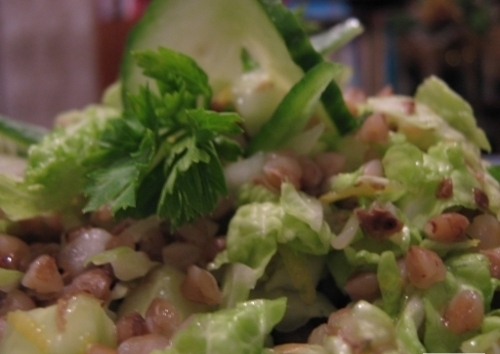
[
  {"x": 295, "y": 109},
  {"x": 306, "y": 57},
  {"x": 19, "y": 134}
]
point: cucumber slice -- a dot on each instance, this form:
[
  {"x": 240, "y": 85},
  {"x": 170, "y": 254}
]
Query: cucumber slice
[{"x": 215, "y": 32}]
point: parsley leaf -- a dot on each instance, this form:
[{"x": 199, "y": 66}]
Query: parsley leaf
[
  {"x": 165, "y": 155},
  {"x": 170, "y": 68}
]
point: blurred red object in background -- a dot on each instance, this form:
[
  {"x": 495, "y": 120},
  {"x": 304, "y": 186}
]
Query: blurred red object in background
[
  {"x": 139, "y": 7},
  {"x": 115, "y": 18}
]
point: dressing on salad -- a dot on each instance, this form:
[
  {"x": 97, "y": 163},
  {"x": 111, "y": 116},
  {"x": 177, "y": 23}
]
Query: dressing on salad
[{"x": 231, "y": 195}]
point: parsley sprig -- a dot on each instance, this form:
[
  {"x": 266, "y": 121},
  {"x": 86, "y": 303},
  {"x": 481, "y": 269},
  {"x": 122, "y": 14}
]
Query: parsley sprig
[{"x": 165, "y": 155}]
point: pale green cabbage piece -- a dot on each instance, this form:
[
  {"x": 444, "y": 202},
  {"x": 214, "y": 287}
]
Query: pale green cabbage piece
[
  {"x": 370, "y": 325},
  {"x": 420, "y": 173},
  {"x": 408, "y": 323},
  {"x": 163, "y": 282},
  {"x": 67, "y": 327},
  {"x": 127, "y": 263},
  {"x": 391, "y": 286},
  {"x": 257, "y": 228},
  {"x": 466, "y": 271},
  {"x": 59, "y": 156},
  {"x": 421, "y": 125},
  {"x": 488, "y": 341},
  {"x": 482, "y": 343},
  {"x": 293, "y": 232},
  {"x": 242, "y": 329},
  {"x": 457, "y": 112}
]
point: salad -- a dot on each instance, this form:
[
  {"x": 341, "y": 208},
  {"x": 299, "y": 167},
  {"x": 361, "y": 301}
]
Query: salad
[{"x": 230, "y": 194}]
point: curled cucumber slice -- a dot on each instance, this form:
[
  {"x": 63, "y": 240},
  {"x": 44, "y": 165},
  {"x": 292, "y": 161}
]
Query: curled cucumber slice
[{"x": 295, "y": 109}]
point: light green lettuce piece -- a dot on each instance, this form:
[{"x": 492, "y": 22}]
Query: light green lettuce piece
[
  {"x": 429, "y": 129},
  {"x": 307, "y": 349},
  {"x": 404, "y": 163},
  {"x": 491, "y": 322},
  {"x": 473, "y": 270},
  {"x": 162, "y": 282},
  {"x": 369, "y": 325},
  {"x": 366, "y": 188},
  {"x": 368, "y": 254},
  {"x": 390, "y": 282},
  {"x": 302, "y": 273},
  {"x": 339, "y": 267},
  {"x": 64, "y": 328},
  {"x": 438, "y": 338},
  {"x": 59, "y": 156},
  {"x": 343, "y": 263},
  {"x": 21, "y": 201},
  {"x": 16, "y": 136},
  {"x": 112, "y": 96},
  {"x": 488, "y": 341},
  {"x": 295, "y": 276},
  {"x": 12, "y": 166},
  {"x": 303, "y": 226},
  {"x": 242, "y": 329},
  {"x": 362, "y": 257},
  {"x": 256, "y": 229},
  {"x": 290, "y": 233},
  {"x": 252, "y": 235},
  {"x": 298, "y": 235},
  {"x": 127, "y": 263},
  {"x": 467, "y": 271},
  {"x": 482, "y": 343},
  {"x": 437, "y": 95},
  {"x": 443, "y": 249},
  {"x": 419, "y": 123},
  {"x": 421, "y": 173},
  {"x": 335, "y": 344},
  {"x": 378, "y": 257},
  {"x": 256, "y": 193},
  {"x": 302, "y": 206},
  {"x": 9, "y": 279},
  {"x": 298, "y": 312},
  {"x": 374, "y": 324},
  {"x": 238, "y": 280},
  {"x": 368, "y": 250},
  {"x": 296, "y": 282},
  {"x": 491, "y": 187},
  {"x": 250, "y": 246}
]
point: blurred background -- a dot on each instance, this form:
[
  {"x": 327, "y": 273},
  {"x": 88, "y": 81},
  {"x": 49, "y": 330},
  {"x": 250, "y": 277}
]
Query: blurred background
[{"x": 57, "y": 55}]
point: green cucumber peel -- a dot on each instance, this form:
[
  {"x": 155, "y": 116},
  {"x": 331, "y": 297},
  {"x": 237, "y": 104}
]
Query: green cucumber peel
[
  {"x": 17, "y": 136},
  {"x": 295, "y": 110}
]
